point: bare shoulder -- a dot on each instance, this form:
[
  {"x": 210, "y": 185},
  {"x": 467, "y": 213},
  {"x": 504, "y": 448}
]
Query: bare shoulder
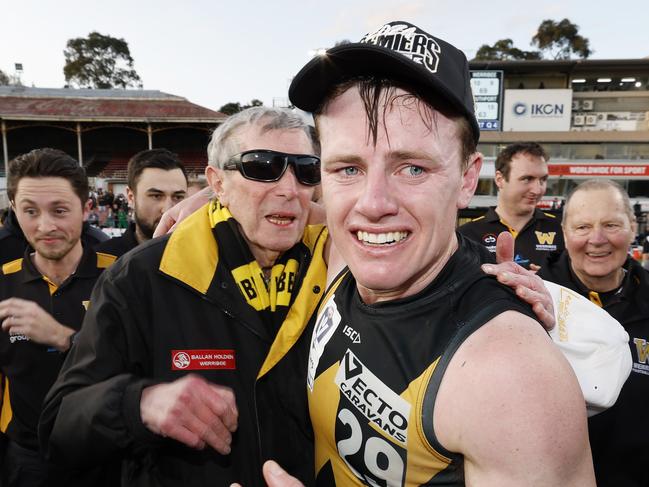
[{"x": 511, "y": 404}]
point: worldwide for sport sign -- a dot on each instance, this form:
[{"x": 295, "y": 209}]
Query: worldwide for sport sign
[{"x": 487, "y": 87}]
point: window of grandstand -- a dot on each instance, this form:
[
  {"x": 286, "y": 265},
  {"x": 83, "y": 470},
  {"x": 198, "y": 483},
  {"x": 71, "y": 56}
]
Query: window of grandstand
[
  {"x": 638, "y": 189},
  {"x": 485, "y": 187},
  {"x": 609, "y": 83}
]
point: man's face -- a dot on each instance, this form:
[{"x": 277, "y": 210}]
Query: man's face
[
  {"x": 50, "y": 215},
  {"x": 598, "y": 232},
  {"x": 155, "y": 192},
  {"x": 391, "y": 208},
  {"x": 528, "y": 178},
  {"x": 271, "y": 215}
]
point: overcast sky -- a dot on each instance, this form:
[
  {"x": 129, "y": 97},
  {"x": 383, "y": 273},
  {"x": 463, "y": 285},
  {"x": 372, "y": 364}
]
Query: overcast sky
[{"x": 213, "y": 51}]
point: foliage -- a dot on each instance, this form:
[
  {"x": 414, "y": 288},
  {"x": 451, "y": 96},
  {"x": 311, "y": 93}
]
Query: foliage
[
  {"x": 4, "y": 79},
  {"x": 235, "y": 107},
  {"x": 558, "y": 40},
  {"x": 231, "y": 108},
  {"x": 99, "y": 61},
  {"x": 561, "y": 39},
  {"x": 504, "y": 50}
]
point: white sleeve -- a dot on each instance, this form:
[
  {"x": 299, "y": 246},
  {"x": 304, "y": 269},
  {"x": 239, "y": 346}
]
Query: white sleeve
[{"x": 595, "y": 344}]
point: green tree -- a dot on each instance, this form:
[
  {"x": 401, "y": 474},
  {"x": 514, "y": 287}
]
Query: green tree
[
  {"x": 99, "y": 61},
  {"x": 235, "y": 107},
  {"x": 4, "y": 79},
  {"x": 504, "y": 50},
  {"x": 254, "y": 103},
  {"x": 231, "y": 108},
  {"x": 561, "y": 39}
]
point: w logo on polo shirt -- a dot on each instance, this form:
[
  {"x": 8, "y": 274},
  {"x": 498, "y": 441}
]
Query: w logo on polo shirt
[
  {"x": 545, "y": 238},
  {"x": 642, "y": 348}
]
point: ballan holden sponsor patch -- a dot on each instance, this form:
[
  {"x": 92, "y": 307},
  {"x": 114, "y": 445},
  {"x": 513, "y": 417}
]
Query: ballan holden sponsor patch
[{"x": 202, "y": 360}]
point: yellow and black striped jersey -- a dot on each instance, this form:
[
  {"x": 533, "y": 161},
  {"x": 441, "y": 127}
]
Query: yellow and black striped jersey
[{"x": 374, "y": 372}]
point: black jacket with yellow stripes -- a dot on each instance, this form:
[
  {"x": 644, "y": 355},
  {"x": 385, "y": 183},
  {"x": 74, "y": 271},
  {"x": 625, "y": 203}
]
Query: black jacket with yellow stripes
[
  {"x": 30, "y": 368},
  {"x": 168, "y": 308}
]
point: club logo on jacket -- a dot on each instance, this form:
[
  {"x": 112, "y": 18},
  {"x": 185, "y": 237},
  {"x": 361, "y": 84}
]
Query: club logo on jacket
[
  {"x": 545, "y": 241},
  {"x": 202, "y": 360},
  {"x": 642, "y": 350}
]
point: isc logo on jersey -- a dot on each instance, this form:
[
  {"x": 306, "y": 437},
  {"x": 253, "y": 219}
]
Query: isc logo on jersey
[
  {"x": 388, "y": 411},
  {"x": 328, "y": 321}
]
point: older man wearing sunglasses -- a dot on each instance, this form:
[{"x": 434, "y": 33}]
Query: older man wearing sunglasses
[{"x": 184, "y": 324}]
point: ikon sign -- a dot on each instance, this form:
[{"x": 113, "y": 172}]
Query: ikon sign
[{"x": 537, "y": 110}]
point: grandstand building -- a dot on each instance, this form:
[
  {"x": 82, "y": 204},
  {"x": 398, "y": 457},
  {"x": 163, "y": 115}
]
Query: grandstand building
[
  {"x": 592, "y": 117},
  {"x": 103, "y": 128}
]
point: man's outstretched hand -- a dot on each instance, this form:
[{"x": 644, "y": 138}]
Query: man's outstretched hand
[
  {"x": 527, "y": 285},
  {"x": 192, "y": 411}
]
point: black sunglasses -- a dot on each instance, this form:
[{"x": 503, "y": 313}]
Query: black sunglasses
[{"x": 269, "y": 166}]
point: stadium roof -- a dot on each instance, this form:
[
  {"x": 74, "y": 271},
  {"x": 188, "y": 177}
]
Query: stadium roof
[
  {"x": 565, "y": 65},
  {"x": 88, "y": 105}
]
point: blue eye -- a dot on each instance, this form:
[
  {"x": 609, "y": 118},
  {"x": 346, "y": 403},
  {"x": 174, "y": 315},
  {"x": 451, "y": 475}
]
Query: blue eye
[
  {"x": 415, "y": 170},
  {"x": 350, "y": 171}
]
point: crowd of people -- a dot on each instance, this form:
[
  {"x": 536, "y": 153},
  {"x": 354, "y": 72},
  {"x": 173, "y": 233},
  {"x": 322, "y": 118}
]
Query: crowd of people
[{"x": 316, "y": 305}]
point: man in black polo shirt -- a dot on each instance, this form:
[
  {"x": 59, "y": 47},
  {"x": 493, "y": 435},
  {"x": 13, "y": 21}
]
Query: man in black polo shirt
[
  {"x": 43, "y": 299},
  {"x": 521, "y": 177},
  {"x": 156, "y": 182}
]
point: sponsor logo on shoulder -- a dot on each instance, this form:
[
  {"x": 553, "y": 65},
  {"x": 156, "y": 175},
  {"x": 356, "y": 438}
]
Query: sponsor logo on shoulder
[
  {"x": 203, "y": 360},
  {"x": 489, "y": 241},
  {"x": 325, "y": 327},
  {"x": 522, "y": 261},
  {"x": 353, "y": 335},
  {"x": 388, "y": 411}
]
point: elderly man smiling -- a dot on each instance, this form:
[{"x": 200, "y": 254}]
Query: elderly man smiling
[
  {"x": 186, "y": 323},
  {"x": 599, "y": 225}
]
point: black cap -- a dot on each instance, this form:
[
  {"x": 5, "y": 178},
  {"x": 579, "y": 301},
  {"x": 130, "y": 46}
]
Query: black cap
[{"x": 396, "y": 51}]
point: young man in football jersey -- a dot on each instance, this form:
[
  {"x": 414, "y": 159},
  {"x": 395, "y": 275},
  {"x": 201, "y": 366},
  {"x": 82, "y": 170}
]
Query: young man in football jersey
[{"x": 432, "y": 373}]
